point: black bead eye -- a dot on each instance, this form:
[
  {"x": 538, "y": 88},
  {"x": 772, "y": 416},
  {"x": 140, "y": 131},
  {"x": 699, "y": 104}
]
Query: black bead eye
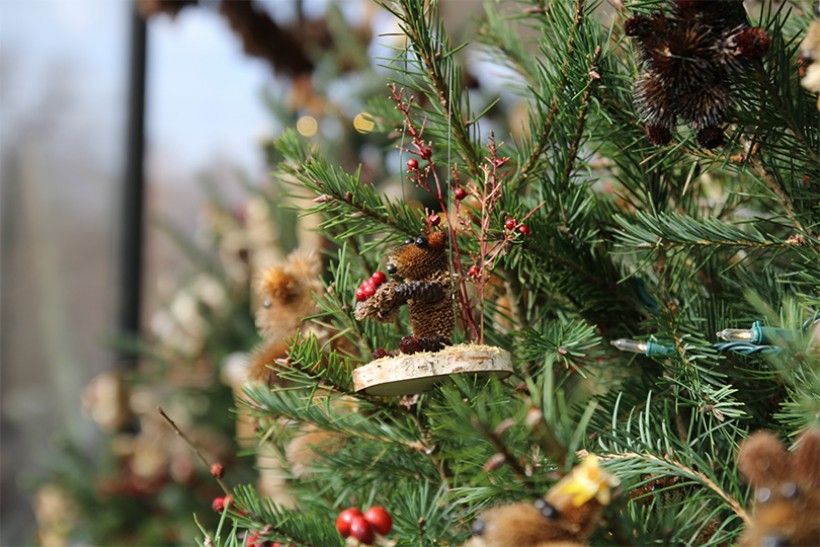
[
  {"x": 789, "y": 490},
  {"x": 478, "y": 527},
  {"x": 546, "y": 509},
  {"x": 421, "y": 241},
  {"x": 391, "y": 268},
  {"x": 408, "y": 241}
]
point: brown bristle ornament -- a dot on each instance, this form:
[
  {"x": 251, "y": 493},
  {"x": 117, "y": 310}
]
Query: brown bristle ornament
[
  {"x": 422, "y": 265},
  {"x": 286, "y": 292},
  {"x": 422, "y": 281},
  {"x": 566, "y": 516},
  {"x": 786, "y": 508},
  {"x": 690, "y": 56}
]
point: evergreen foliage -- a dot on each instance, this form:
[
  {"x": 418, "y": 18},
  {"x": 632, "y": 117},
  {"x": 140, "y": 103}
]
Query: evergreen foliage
[{"x": 629, "y": 240}]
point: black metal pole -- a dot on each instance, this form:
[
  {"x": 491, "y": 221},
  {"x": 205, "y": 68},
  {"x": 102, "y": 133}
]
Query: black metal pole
[{"x": 133, "y": 195}]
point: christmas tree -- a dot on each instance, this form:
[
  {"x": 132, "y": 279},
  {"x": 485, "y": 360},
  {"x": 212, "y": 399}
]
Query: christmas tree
[
  {"x": 643, "y": 242},
  {"x": 571, "y": 321}
]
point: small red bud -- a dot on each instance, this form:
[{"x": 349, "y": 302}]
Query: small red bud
[
  {"x": 412, "y": 164},
  {"x": 473, "y": 271},
  {"x": 510, "y": 224},
  {"x": 524, "y": 230},
  {"x": 460, "y": 193},
  {"x": 217, "y": 470},
  {"x": 426, "y": 153},
  {"x": 434, "y": 219},
  {"x": 219, "y": 503}
]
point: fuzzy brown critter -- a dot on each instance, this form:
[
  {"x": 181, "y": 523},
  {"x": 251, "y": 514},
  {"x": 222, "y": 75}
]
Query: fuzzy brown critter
[
  {"x": 689, "y": 59},
  {"x": 787, "y": 490},
  {"x": 566, "y": 516},
  {"x": 286, "y": 294},
  {"x": 422, "y": 266}
]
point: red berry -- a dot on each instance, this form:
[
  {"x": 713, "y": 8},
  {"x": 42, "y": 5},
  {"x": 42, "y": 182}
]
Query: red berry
[
  {"x": 460, "y": 193},
  {"x": 412, "y": 164},
  {"x": 473, "y": 271},
  {"x": 361, "y": 530},
  {"x": 344, "y": 519},
  {"x": 368, "y": 291},
  {"x": 510, "y": 224},
  {"x": 368, "y": 284},
  {"x": 379, "y": 518},
  {"x": 524, "y": 230},
  {"x": 378, "y": 278},
  {"x": 219, "y": 503},
  {"x": 217, "y": 470},
  {"x": 360, "y": 296},
  {"x": 253, "y": 539}
]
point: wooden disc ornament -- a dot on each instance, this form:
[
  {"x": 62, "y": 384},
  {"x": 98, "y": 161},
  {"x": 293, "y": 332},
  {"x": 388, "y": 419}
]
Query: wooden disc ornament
[
  {"x": 421, "y": 281},
  {"x": 418, "y": 372}
]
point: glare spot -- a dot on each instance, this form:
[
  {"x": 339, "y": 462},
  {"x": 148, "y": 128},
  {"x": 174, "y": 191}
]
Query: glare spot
[
  {"x": 363, "y": 123},
  {"x": 307, "y": 126}
]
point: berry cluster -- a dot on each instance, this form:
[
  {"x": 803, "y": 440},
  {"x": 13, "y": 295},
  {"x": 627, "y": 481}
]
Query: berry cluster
[
  {"x": 513, "y": 225},
  {"x": 369, "y": 286},
  {"x": 364, "y": 527}
]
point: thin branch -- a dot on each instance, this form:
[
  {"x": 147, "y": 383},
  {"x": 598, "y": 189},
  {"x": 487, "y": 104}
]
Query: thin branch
[
  {"x": 541, "y": 141},
  {"x": 502, "y": 449},
  {"x": 735, "y": 505},
  {"x": 196, "y": 450}
]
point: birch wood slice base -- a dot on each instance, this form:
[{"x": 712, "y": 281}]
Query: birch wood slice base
[{"x": 407, "y": 374}]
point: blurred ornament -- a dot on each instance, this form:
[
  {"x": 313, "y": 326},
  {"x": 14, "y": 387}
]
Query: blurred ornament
[
  {"x": 55, "y": 512},
  {"x": 105, "y": 400}
]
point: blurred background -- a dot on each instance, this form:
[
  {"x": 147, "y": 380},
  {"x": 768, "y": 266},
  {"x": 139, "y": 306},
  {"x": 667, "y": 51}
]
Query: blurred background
[{"x": 135, "y": 204}]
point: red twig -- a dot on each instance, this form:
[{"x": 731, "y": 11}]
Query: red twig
[
  {"x": 421, "y": 176},
  {"x": 489, "y": 195}
]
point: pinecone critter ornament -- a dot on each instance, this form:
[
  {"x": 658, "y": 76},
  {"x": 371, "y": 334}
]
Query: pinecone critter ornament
[
  {"x": 689, "y": 59},
  {"x": 422, "y": 265},
  {"x": 786, "y": 489},
  {"x": 565, "y": 517},
  {"x": 421, "y": 281}
]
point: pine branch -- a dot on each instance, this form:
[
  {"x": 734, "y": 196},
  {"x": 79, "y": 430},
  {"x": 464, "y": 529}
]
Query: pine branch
[
  {"x": 430, "y": 42},
  {"x": 665, "y": 230},
  {"x": 668, "y": 463},
  {"x": 539, "y": 146},
  {"x": 576, "y": 138}
]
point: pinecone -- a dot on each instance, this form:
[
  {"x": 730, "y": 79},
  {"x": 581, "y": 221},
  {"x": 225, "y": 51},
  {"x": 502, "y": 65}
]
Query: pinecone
[{"x": 689, "y": 59}]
